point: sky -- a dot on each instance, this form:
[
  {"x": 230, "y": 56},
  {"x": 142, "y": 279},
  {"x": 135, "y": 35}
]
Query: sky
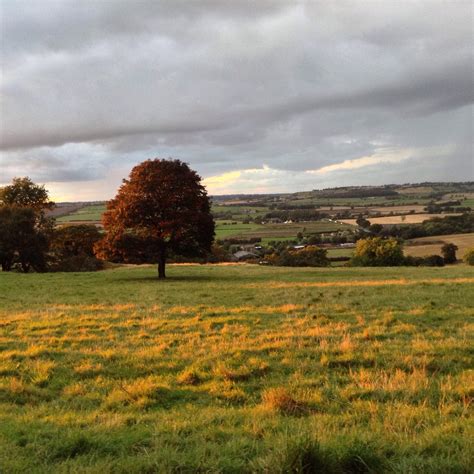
[{"x": 258, "y": 97}]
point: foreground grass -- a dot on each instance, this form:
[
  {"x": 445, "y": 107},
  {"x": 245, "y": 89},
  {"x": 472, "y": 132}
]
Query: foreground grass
[{"x": 237, "y": 369}]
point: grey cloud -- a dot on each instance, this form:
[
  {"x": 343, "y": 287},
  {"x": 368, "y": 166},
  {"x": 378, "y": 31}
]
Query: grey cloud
[{"x": 233, "y": 85}]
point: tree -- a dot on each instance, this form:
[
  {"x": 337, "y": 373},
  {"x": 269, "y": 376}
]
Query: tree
[
  {"x": 378, "y": 252},
  {"x": 24, "y": 193},
  {"x": 161, "y": 206},
  {"x": 376, "y": 229},
  {"x": 76, "y": 240},
  {"x": 469, "y": 257},
  {"x": 24, "y": 228},
  {"x": 362, "y": 222},
  {"x": 310, "y": 256},
  {"x": 449, "y": 253},
  {"x": 72, "y": 248},
  {"x": 21, "y": 241}
]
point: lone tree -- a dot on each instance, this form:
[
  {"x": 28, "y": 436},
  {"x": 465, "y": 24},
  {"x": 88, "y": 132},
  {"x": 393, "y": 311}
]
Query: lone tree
[
  {"x": 449, "y": 253},
  {"x": 161, "y": 207}
]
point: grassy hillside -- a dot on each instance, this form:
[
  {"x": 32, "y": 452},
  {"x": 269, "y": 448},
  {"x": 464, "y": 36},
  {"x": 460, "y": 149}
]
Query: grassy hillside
[
  {"x": 87, "y": 213},
  {"x": 237, "y": 369},
  {"x": 276, "y": 231}
]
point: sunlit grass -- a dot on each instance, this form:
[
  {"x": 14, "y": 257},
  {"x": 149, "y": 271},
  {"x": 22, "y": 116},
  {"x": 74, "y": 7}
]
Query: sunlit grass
[{"x": 237, "y": 369}]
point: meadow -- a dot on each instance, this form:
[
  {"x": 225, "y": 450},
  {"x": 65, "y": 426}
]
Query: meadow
[
  {"x": 237, "y": 369},
  {"x": 89, "y": 213},
  {"x": 276, "y": 231}
]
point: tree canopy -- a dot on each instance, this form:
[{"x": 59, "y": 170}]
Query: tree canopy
[
  {"x": 24, "y": 193},
  {"x": 21, "y": 241},
  {"x": 161, "y": 207},
  {"x": 377, "y": 252},
  {"x": 24, "y": 228},
  {"x": 449, "y": 252}
]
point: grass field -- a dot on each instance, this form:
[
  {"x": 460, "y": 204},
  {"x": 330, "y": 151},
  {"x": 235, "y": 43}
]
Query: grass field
[
  {"x": 87, "y": 213},
  {"x": 276, "y": 231},
  {"x": 237, "y": 369},
  {"x": 365, "y": 201},
  {"x": 341, "y": 252},
  {"x": 424, "y": 246},
  {"x": 230, "y": 230}
]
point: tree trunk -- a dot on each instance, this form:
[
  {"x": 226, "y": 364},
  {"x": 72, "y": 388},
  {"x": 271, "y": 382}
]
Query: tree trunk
[
  {"x": 25, "y": 267},
  {"x": 161, "y": 264}
]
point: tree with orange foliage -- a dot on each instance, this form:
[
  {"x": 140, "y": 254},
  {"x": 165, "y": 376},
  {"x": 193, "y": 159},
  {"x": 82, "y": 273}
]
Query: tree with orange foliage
[{"x": 162, "y": 206}]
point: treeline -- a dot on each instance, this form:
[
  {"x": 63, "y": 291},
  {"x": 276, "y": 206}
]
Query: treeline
[
  {"x": 388, "y": 252},
  {"x": 462, "y": 224},
  {"x": 451, "y": 206},
  {"x": 295, "y": 215},
  {"x": 355, "y": 193},
  {"x": 30, "y": 240},
  {"x": 289, "y": 207}
]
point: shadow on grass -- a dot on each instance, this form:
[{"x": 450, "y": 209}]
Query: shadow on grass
[{"x": 177, "y": 278}]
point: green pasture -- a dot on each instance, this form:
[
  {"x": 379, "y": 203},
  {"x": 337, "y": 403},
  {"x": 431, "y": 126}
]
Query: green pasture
[
  {"x": 230, "y": 369},
  {"x": 86, "y": 213}
]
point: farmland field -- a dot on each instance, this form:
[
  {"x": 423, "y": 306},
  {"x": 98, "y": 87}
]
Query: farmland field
[
  {"x": 90, "y": 213},
  {"x": 237, "y": 229},
  {"x": 424, "y": 246},
  {"x": 237, "y": 369},
  {"x": 276, "y": 231},
  {"x": 403, "y": 219}
]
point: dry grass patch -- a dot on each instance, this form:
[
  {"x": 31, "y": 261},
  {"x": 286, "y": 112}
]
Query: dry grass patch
[
  {"x": 227, "y": 390},
  {"x": 280, "y": 401},
  {"x": 189, "y": 377},
  {"x": 361, "y": 283},
  {"x": 141, "y": 392}
]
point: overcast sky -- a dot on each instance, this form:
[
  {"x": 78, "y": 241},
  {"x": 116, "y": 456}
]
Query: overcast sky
[{"x": 267, "y": 96}]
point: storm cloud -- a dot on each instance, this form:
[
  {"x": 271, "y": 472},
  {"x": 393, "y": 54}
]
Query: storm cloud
[{"x": 257, "y": 96}]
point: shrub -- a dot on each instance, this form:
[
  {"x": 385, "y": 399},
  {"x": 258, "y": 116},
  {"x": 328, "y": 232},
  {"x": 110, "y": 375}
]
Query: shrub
[
  {"x": 378, "y": 252},
  {"x": 76, "y": 239},
  {"x": 310, "y": 256},
  {"x": 433, "y": 261},
  {"x": 22, "y": 242},
  {"x": 449, "y": 253},
  {"x": 77, "y": 263},
  {"x": 469, "y": 257},
  {"x": 72, "y": 249},
  {"x": 429, "y": 261}
]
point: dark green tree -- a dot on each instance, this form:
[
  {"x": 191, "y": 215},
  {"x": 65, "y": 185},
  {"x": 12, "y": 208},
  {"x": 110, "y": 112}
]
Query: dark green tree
[
  {"x": 363, "y": 222},
  {"x": 25, "y": 193},
  {"x": 21, "y": 241},
  {"x": 449, "y": 253},
  {"x": 24, "y": 227},
  {"x": 72, "y": 248}
]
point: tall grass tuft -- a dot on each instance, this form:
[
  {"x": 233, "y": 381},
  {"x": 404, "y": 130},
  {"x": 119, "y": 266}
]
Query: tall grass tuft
[{"x": 279, "y": 400}]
